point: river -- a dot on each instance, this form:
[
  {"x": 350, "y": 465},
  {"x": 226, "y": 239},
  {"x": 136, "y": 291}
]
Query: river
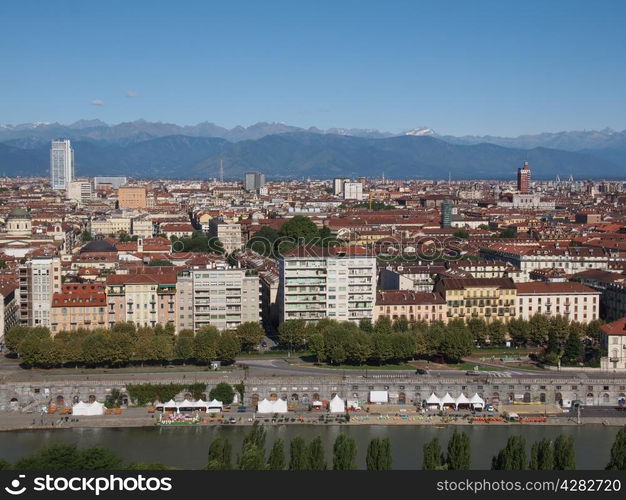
[{"x": 186, "y": 447}]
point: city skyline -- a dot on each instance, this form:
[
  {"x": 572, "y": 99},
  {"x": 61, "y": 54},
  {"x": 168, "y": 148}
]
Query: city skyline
[{"x": 468, "y": 69}]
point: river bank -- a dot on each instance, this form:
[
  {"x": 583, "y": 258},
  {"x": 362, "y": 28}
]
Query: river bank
[{"x": 138, "y": 417}]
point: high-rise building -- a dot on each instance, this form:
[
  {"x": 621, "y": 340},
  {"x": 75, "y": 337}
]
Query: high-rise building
[
  {"x": 352, "y": 191},
  {"x": 446, "y": 213},
  {"x": 253, "y": 181},
  {"x": 338, "y": 183},
  {"x": 40, "y": 278},
  {"x": 318, "y": 283},
  {"x": 523, "y": 179},
  {"x": 61, "y": 164}
]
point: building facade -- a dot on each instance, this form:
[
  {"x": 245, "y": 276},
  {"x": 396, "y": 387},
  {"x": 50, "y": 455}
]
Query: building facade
[
  {"x": 132, "y": 197},
  {"x": 78, "y": 305},
  {"x": 410, "y": 305},
  {"x": 40, "y": 278},
  {"x": 61, "y": 164}
]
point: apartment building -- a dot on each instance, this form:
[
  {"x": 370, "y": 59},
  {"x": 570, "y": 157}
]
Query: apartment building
[
  {"x": 112, "y": 224},
  {"x": 80, "y": 191},
  {"x": 407, "y": 276},
  {"x": 132, "y": 197},
  {"x": 9, "y": 307},
  {"x": 142, "y": 298},
  {"x": 223, "y": 298},
  {"x": 79, "y": 305},
  {"x": 485, "y": 298},
  {"x": 613, "y": 289},
  {"x": 317, "y": 283},
  {"x": 40, "y": 278},
  {"x": 410, "y": 305},
  {"x": 229, "y": 233},
  {"x": 574, "y": 301}
]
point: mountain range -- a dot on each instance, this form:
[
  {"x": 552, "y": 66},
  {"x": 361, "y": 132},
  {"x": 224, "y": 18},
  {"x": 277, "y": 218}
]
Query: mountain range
[{"x": 155, "y": 149}]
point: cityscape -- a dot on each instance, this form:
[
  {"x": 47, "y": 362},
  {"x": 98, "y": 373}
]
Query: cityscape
[{"x": 297, "y": 294}]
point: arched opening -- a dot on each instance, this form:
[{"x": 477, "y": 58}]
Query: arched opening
[
  {"x": 294, "y": 397},
  {"x": 273, "y": 396},
  {"x": 527, "y": 397},
  {"x": 332, "y": 395},
  {"x": 606, "y": 399},
  {"x": 284, "y": 397},
  {"x": 542, "y": 397},
  {"x": 92, "y": 398},
  {"x": 621, "y": 399},
  {"x": 402, "y": 398},
  {"x": 13, "y": 400},
  {"x": 558, "y": 398},
  {"x": 60, "y": 401},
  {"x": 76, "y": 399},
  {"x": 254, "y": 399},
  {"x": 305, "y": 398},
  {"x": 125, "y": 399},
  {"x": 316, "y": 397},
  {"x": 589, "y": 399},
  {"x": 495, "y": 399}
]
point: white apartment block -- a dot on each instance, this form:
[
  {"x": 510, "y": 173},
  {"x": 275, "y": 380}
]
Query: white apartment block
[
  {"x": 224, "y": 298},
  {"x": 61, "y": 164},
  {"x": 111, "y": 225},
  {"x": 320, "y": 283},
  {"x": 40, "y": 277},
  {"x": 574, "y": 301},
  {"x": 352, "y": 191},
  {"x": 613, "y": 341},
  {"x": 80, "y": 191}
]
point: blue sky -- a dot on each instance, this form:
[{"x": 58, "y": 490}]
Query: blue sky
[{"x": 461, "y": 67}]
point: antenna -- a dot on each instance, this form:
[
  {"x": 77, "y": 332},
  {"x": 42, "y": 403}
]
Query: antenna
[
  {"x": 221, "y": 170},
  {"x": 449, "y": 177}
]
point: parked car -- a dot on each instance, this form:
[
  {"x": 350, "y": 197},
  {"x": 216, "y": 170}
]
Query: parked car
[
  {"x": 241, "y": 409},
  {"x": 489, "y": 408}
]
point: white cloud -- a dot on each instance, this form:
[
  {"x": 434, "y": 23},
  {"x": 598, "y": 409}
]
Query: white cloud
[
  {"x": 131, "y": 93},
  {"x": 97, "y": 102}
]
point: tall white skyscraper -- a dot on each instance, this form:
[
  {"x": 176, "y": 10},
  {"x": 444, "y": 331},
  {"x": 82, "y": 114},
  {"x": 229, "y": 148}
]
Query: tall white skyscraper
[{"x": 61, "y": 164}]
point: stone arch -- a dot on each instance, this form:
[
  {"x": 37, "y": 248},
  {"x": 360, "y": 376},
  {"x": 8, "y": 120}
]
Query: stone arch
[
  {"x": 621, "y": 399},
  {"x": 254, "y": 399},
  {"x": 511, "y": 397},
  {"x": 283, "y": 397},
  {"x": 589, "y": 399},
  {"x": 294, "y": 397},
  {"x": 558, "y": 398},
  {"x": 273, "y": 396},
  {"x": 316, "y": 397},
  {"x": 92, "y": 398},
  {"x": 542, "y": 397},
  {"x": 305, "y": 398},
  {"x": 495, "y": 398},
  {"x": 401, "y": 398},
  {"x": 527, "y": 397},
  {"x": 188, "y": 396},
  {"x": 60, "y": 401},
  {"x": 606, "y": 399}
]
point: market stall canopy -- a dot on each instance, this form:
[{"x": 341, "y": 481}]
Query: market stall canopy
[
  {"x": 476, "y": 400},
  {"x": 433, "y": 400},
  {"x": 462, "y": 400},
  {"x": 379, "y": 396},
  {"x": 337, "y": 405},
  {"x": 447, "y": 400},
  {"x": 87, "y": 409},
  {"x": 264, "y": 406}
]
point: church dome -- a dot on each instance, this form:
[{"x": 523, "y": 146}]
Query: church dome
[{"x": 18, "y": 213}]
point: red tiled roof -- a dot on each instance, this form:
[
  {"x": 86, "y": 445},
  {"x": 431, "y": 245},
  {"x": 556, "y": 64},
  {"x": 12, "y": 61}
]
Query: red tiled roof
[
  {"x": 615, "y": 328},
  {"x": 540, "y": 287},
  {"x": 408, "y": 297}
]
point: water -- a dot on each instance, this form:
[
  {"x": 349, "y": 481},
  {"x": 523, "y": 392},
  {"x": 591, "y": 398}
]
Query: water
[{"x": 186, "y": 447}]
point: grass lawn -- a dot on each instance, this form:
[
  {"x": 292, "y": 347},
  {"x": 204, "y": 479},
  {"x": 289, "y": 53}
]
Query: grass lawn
[
  {"x": 471, "y": 366},
  {"x": 399, "y": 366}
]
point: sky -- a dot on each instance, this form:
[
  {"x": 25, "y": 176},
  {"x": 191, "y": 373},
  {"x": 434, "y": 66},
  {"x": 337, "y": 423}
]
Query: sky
[{"x": 459, "y": 67}]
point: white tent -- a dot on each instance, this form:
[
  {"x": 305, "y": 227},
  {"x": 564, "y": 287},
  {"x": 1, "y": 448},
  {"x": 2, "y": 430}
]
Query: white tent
[
  {"x": 87, "y": 409},
  {"x": 447, "y": 400},
  {"x": 317, "y": 403},
  {"x": 201, "y": 405},
  {"x": 214, "y": 406},
  {"x": 433, "y": 400},
  {"x": 461, "y": 400},
  {"x": 477, "y": 402},
  {"x": 264, "y": 406},
  {"x": 379, "y": 396},
  {"x": 186, "y": 404},
  {"x": 337, "y": 405},
  {"x": 170, "y": 405},
  {"x": 354, "y": 404},
  {"x": 279, "y": 406}
]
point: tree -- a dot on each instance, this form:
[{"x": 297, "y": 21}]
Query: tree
[
  {"x": 344, "y": 453},
  {"x": 564, "y": 453},
  {"x": 433, "y": 456},
  {"x": 263, "y": 241},
  {"x": 228, "y": 347},
  {"x": 478, "y": 329},
  {"x": 220, "y": 454},
  {"x": 383, "y": 325},
  {"x": 401, "y": 324},
  {"x": 53, "y": 457},
  {"x": 519, "y": 331},
  {"x": 205, "y": 344},
  {"x": 315, "y": 455},
  {"x": 291, "y": 333},
  {"x": 297, "y": 454},
  {"x": 298, "y": 230},
  {"x": 251, "y": 457},
  {"x": 461, "y": 233},
  {"x": 512, "y": 456},
  {"x": 119, "y": 347},
  {"x": 250, "y": 335},
  {"x": 459, "y": 451},
  {"x": 98, "y": 458},
  {"x": 497, "y": 333},
  {"x": 573, "y": 350},
  {"x": 541, "y": 457},
  {"x": 538, "y": 327},
  {"x": 276, "y": 459},
  {"x": 86, "y": 236},
  {"x": 223, "y": 392},
  {"x": 14, "y": 337},
  {"x": 456, "y": 344},
  {"x": 365, "y": 325},
  {"x": 510, "y": 232},
  {"x": 161, "y": 348},
  {"x": 618, "y": 452},
  {"x": 183, "y": 348},
  {"x": 379, "y": 454}
]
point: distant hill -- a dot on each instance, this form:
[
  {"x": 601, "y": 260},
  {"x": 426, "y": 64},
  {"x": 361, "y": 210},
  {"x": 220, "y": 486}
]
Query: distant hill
[{"x": 302, "y": 154}]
